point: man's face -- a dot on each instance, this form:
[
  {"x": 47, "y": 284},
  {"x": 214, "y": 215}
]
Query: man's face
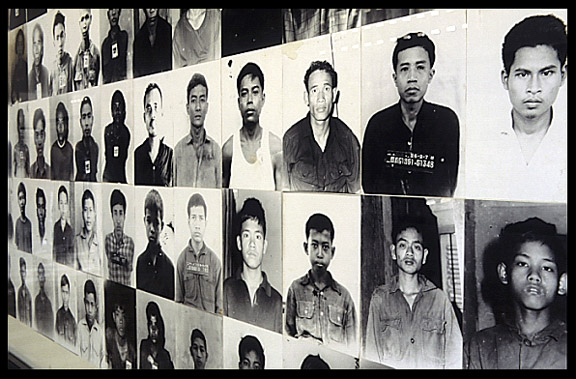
[
  {"x": 153, "y": 331},
  {"x": 89, "y": 214},
  {"x": 197, "y": 223},
  {"x": 41, "y": 209},
  {"x": 320, "y": 250},
  {"x": 65, "y": 291},
  {"x": 251, "y": 243},
  {"x": 23, "y": 274},
  {"x": 59, "y": 40},
  {"x": 151, "y": 13},
  {"x": 86, "y": 119},
  {"x": 154, "y": 225},
  {"x": 41, "y": 277},
  {"x": 37, "y": 47},
  {"x": 61, "y": 126},
  {"x": 21, "y": 126},
  {"x": 85, "y": 21},
  {"x": 197, "y": 105},
  {"x": 413, "y": 74},
  {"x": 534, "y": 276},
  {"x": 320, "y": 95},
  {"x": 118, "y": 218},
  {"x": 251, "y": 99},
  {"x": 22, "y": 202},
  {"x": 251, "y": 361},
  {"x": 113, "y": 16},
  {"x": 118, "y": 111},
  {"x": 40, "y": 137},
  {"x": 91, "y": 307},
  {"x": 535, "y": 78},
  {"x": 153, "y": 112},
  {"x": 119, "y": 317},
  {"x": 63, "y": 205},
  {"x": 199, "y": 353},
  {"x": 408, "y": 251}
]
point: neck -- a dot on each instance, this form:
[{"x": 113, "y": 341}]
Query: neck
[
  {"x": 530, "y": 322},
  {"x": 197, "y": 246},
  {"x": 252, "y": 277},
  {"x": 251, "y": 131},
  {"x": 410, "y": 112},
  {"x": 197, "y": 134},
  {"x": 320, "y": 131},
  {"x": 408, "y": 283},
  {"x": 320, "y": 278},
  {"x": 531, "y": 126},
  {"x": 86, "y": 39}
]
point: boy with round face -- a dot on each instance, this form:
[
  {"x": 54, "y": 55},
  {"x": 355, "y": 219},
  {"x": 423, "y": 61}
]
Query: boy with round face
[
  {"x": 86, "y": 243},
  {"x": 63, "y": 243},
  {"x": 62, "y": 69},
  {"x": 23, "y": 229},
  {"x": 251, "y": 354},
  {"x": 90, "y": 333},
  {"x": 532, "y": 270}
]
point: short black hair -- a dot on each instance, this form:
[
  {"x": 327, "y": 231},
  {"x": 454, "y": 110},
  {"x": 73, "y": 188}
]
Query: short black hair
[
  {"x": 195, "y": 80},
  {"x": 197, "y": 333},
  {"x": 149, "y": 88},
  {"x": 86, "y": 100},
  {"x": 58, "y": 19},
  {"x": 196, "y": 200},
  {"x": 154, "y": 203},
  {"x": 39, "y": 116},
  {"x": 40, "y": 194},
  {"x": 532, "y": 31},
  {"x": 324, "y": 66},
  {"x": 117, "y": 197},
  {"x": 319, "y": 222},
  {"x": 64, "y": 281},
  {"x": 408, "y": 222},
  {"x": 250, "y": 343},
  {"x": 88, "y": 195},
  {"x": 412, "y": 40},
  {"x": 62, "y": 189},
  {"x": 314, "y": 362},
  {"x": 253, "y": 70},
  {"x": 89, "y": 288},
  {"x": 61, "y": 108},
  {"x": 21, "y": 188},
  {"x": 252, "y": 210},
  {"x": 118, "y": 96}
]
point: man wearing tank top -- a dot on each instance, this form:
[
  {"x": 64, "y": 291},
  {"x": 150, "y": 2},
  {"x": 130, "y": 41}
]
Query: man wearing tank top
[{"x": 257, "y": 163}]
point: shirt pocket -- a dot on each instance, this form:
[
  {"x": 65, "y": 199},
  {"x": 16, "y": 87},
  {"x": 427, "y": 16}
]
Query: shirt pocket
[
  {"x": 305, "y": 171},
  {"x": 433, "y": 335},
  {"x": 389, "y": 343},
  {"x": 305, "y": 318},
  {"x": 336, "y": 326}
]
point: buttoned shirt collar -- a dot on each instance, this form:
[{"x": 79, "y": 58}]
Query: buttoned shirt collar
[
  {"x": 425, "y": 284},
  {"x": 308, "y": 280},
  {"x": 265, "y": 285}
]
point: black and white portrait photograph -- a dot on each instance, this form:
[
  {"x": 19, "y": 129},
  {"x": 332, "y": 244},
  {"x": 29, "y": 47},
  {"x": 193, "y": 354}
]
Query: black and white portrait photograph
[
  {"x": 249, "y": 347},
  {"x": 64, "y": 226},
  {"x": 250, "y": 29},
  {"x": 42, "y": 273},
  {"x": 88, "y": 239},
  {"x": 41, "y": 207},
  {"x": 20, "y": 132},
  {"x": 120, "y": 326},
  {"x": 39, "y": 56},
  {"x": 83, "y": 44},
  {"x": 61, "y": 138},
  {"x": 412, "y": 270},
  {"x": 199, "y": 340},
  {"x": 308, "y": 354},
  {"x": 322, "y": 269},
  {"x": 40, "y": 149},
  {"x": 253, "y": 261},
  {"x": 413, "y": 104},
  {"x": 321, "y": 141},
  {"x": 17, "y": 65},
  {"x": 90, "y": 327},
  {"x": 23, "y": 209},
  {"x": 517, "y": 287},
  {"x": 516, "y": 145},
  {"x": 197, "y": 36},
  {"x": 22, "y": 273},
  {"x": 66, "y": 324},
  {"x": 251, "y": 124},
  {"x": 195, "y": 97},
  {"x": 152, "y": 46},
  {"x": 116, "y": 36}
]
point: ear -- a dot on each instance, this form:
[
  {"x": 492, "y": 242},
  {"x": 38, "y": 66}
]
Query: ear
[
  {"x": 335, "y": 95},
  {"x": 265, "y": 247},
  {"x": 564, "y": 74},
  {"x": 502, "y": 273},
  {"x": 504, "y": 79},
  {"x": 431, "y": 75},
  {"x": 563, "y": 284},
  {"x": 333, "y": 251},
  {"x": 306, "y": 98},
  {"x": 424, "y": 255},
  {"x": 305, "y": 245},
  {"x": 394, "y": 77},
  {"x": 393, "y": 251},
  {"x": 239, "y": 243}
]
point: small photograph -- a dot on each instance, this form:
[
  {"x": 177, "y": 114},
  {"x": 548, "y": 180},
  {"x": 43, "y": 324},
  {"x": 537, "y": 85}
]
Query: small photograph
[
  {"x": 90, "y": 328},
  {"x": 21, "y": 135},
  {"x": 152, "y": 46},
  {"x": 301, "y": 24},
  {"x": 250, "y": 29},
  {"x": 64, "y": 226},
  {"x": 16, "y": 17},
  {"x": 59, "y": 52},
  {"x": 39, "y": 124},
  {"x": 252, "y": 97},
  {"x": 248, "y": 347},
  {"x": 61, "y": 138},
  {"x": 66, "y": 325},
  {"x": 23, "y": 211},
  {"x": 117, "y": 36},
  {"x": 516, "y": 293},
  {"x": 17, "y": 65},
  {"x": 197, "y": 36},
  {"x": 306, "y": 354},
  {"x": 253, "y": 258},
  {"x": 199, "y": 339},
  {"x": 39, "y": 55},
  {"x": 88, "y": 240},
  {"x": 412, "y": 271},
  {"x": 198, "y": 244},
  {"x": 22, "y": 273},
  {"x": 13, "y": 275},
  {"x": 120, "y": 323},
  {"x": 155, "y": 331},
  {"x": 322, "y": 269},
  {"x": 372, "y": 15},
  {"x": 42, "y": 217},
  {"x": 43, "y": 274}
]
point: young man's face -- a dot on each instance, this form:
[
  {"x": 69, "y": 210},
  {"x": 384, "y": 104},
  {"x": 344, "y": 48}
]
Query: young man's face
[
  {"x": 534, "y": 276},
  {"x": 85, "y": 21},
  {"x": 199, "y": 353},
  {"x": 151, "y": 13},
  {"x": 251, "y": 361},
  {"x": 320, "y": 95},
  {"x": 41, "y": 209},
  {"x": 408, "y": 251},
  {"x": 153, "y": 223},
  {"x": 119, "y": 317},
  {"x": 41, "y": 277},
  {"x": 89, "y": 214},
  {"x": 21, "y": 126},
  {"x": 197, "y": 223},
  {"x": 153, "y": 112},
  {"x": 40, "y": 137},
  {"x": 118, "y": 218},
  {"x": 197, "y": 105},
  {"x": 319, "y": 249},
  {"x": 153, "y": 331},
  {"x": 535, "y": 78},
  {"x": 65, "y": 291},
  {"x": 61, "y": 127},
  {"x": 91, "y": 307},
  {"x": 251, "y": 99},
  {"x": 252, "y": 243},
  {"x": 412, "y": 74},
  {"x": 113, "y": 16},
  {"x": 37, "y": 47},
  {"x": 22, "y": 202},
  {"x": 118, "y": 111},
  {"x": 23, "y": 274},
  {"x": 59, "y": 40},
  {"x": 63, "y": 205},
  {"x": 86, "y": 119}
]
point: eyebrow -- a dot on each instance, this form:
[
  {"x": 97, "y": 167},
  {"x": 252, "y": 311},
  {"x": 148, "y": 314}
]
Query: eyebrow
[{"x": 524, "y": 255}]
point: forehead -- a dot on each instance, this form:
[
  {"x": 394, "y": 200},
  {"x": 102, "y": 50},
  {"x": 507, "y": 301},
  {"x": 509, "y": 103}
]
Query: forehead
[
  {"x": 250, "y": 81},
  {"x": 252, "y": 225},
  {"x": 88, "y": 202},
  {"x": 410, "y": 234},
  {"x": 198, "y": 90},
  {"x": 319, "y": 77},
  {"x": 323, "y": 236},
  {"x": 413, "y": 54},
  {"x": 118, "y": 207},
  {"x": 153, "y": 96},
  {"x": 535, "y": 250},
  {"x": 536, "y": 56},
  {"x": 86, "y": 107},
  {"x": 197, "y": 210}
]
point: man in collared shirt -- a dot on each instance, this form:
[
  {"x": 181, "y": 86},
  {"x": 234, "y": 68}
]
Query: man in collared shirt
[
  {"x": 24, "y": 297},
  {"x": 412, "y": 147},
  {"x": 90, "y": 334},
  {"x": 152, "y": 45},
  {"x": 119, "y": 246},
  {"x": 153, "y": 159},
  {"x": 196, "y": 37},
  {"x": 23, "y": 229},
  {"x": 114, "y": 49},
  {"x": 63, "y": 242},
  {"x": 154, "y": 269},
  {"x": 62, "y": 152},
  {"x": 87, "y": 61},
  {"x": 411, "y": 322},
  {"x": 248, "y": 296},
  {"x": 86, "y": 152},
  {"x": 41, "y": 246},
  {"x": 532, "y": 271},
  {"x": 43, "y": 314},
  {"x": 317, "y": 306},
  {"x": 198, "y": 158},
  {"x": 65, "y": 321},
  {"x": 40, "y": 168},
  {"x": 116, "y": 141},
  {"x": 321, "y": 153},
  {"x": 21, "y": 151},
  {"x": 62, "y": 71},
  {"x": 198, "y": 269},
  {"x": 38, "y": 77},
  {"x": 86, "y": 242}
]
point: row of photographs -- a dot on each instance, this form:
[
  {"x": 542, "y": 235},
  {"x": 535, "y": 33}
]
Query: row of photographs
[
  {"x": 126, "y": 277},
  {"x": 475, "y": 153}
]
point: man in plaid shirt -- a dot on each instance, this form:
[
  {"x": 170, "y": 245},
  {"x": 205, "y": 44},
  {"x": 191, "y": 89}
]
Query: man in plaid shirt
[{"x": 119, "y": 246}]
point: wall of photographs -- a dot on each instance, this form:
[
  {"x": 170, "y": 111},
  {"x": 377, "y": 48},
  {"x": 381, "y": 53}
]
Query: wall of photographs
[{"x": 166, "y": 278}]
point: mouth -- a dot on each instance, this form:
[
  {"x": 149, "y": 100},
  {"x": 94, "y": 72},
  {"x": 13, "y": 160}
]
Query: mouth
[
  {"x": 412, "y": 90},
  {"x": 409, "y": 262},
  {"x": 534, "y": 290}
]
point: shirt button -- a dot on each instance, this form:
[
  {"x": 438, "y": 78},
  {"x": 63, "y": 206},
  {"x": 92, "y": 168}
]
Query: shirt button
[{"x": 411, "y": 340}]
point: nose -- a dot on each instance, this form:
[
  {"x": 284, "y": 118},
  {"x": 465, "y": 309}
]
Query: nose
[
  {"x": 534, "y": 276},
  {"x": 534, "y": 84}
]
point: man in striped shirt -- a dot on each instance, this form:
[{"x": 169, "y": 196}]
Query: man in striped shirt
[{"x": 119, "y": 246}]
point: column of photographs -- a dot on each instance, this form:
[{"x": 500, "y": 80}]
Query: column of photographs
[{"x": 290, "y": 188}]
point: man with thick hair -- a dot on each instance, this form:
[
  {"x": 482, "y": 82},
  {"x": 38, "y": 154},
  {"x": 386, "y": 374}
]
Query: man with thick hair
[{"x": 119, "y": 246}]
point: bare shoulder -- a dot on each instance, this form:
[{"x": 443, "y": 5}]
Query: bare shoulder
[
  {"x": 275, "y": 144},
  {"x": 227, "y": 148}
]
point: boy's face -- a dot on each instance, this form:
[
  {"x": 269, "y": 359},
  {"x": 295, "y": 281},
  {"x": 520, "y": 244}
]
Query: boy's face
[
  {"x": 409, "y": 251},
  {"x": 113, "y": 15},
  {"x": 534, "y": 276},
  {"x": 85, "y": 21},
  {"x": 61, "y": 127},
  {"x": 118, "y": 218},
  {"x": 23, "y": 273},
  {"x": 21, "y": 126},
  {"x": 251, "y": 243},
  {"x": 41, "y": 276},
  {"x": 22, "y": 202},
  {"x": 412, "y": 74},
  {"x": 37, "y": 47},
  {"x": 153, "y": 223},
  {"x": 197, "y": 223},
  {"x": 153, "y": 330},
  {"x": 86, "y": 119},
  {"x": 251, "y": 361},
  {"x": 39, "y": 137},
  {"x": 65, "y": 291},
  {"x": 59, "y": 40},
  {"x": 119, "y": 318},
  {"x": 90, "y": 306},
  {"x": 89, "y": 214},
  {"x": 63, "y": 205},
  {"x": 41, "y": 209},
  {"x": 199, "y": 353},
  {"x": 118, "y": 111},
  {"x": 319, "y": 249},
  {"x": 534, "y": 80}
]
